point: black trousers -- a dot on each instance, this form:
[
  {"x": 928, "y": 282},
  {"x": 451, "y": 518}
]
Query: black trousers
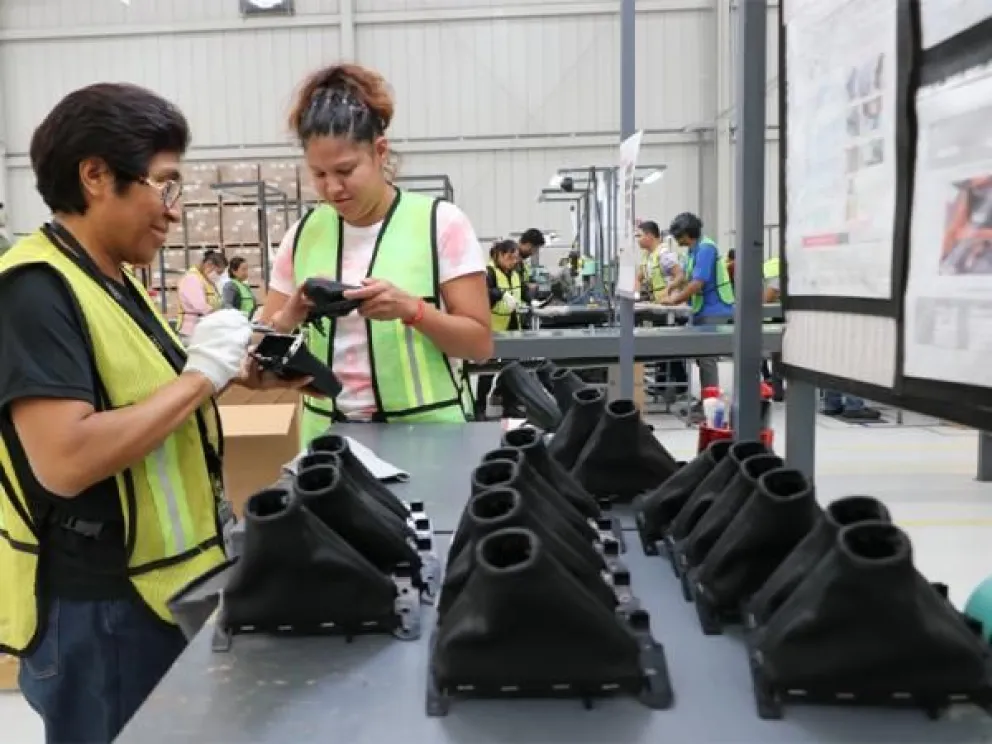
[{"x": 482, "y": 390}]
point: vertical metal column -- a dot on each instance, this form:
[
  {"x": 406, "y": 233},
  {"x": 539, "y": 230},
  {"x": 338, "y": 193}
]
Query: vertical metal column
[
  {"x": 750, "y": 199},
  {"x": 800, "y": 427},
  {"x": 984, "y": 474},
  {"x": 625, "y": 306}
]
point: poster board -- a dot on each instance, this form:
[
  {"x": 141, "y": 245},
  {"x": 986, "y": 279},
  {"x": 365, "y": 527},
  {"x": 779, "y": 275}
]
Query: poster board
[
  {"x": 848, "y": 67},
  {"x": 627, "y": 250},
  {"x": 947, "y": 334}
]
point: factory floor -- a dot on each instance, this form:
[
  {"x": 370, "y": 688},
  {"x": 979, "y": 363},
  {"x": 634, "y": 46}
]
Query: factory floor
[{"x": 923, "y": 471}]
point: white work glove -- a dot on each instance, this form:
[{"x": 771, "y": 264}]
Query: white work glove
[
  {"x": 218, "y": 346},
  {"x": 511, "y": 301}
]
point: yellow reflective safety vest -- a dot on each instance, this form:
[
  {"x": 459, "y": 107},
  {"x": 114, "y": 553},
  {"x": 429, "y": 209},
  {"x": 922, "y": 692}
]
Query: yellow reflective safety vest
[
  {"x": 209, "y": 291},
  {"x": 501, "y": 314},
  {"x": 413, "y": 381},
  {"x": 167, "y": 500},
  {"x": 652, "y": 272},
  {"x": 770, "y": 269}
]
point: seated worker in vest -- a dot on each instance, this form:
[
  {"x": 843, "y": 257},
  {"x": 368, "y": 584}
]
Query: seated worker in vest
[
  {"x": 421, "y": 269},
  {"x": 505, "y": 286},
  {"x": 198, "y": 293},
  {"x": 109, "y": 438},
  {"x": 531, "y": 240},
  {"x": 237, "y": 294},
  {"x": 707, "y": 290},
  {"x": 659, "y": 268}
]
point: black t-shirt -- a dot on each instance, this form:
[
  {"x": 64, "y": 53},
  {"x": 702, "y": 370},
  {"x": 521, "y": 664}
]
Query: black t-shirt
[{"x": 44, "y": 354}]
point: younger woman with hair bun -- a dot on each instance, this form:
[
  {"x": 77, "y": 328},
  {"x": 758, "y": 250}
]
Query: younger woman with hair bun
[{"x": 417, "y": 260}]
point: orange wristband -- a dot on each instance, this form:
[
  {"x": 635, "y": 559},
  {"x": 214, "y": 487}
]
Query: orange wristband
[{"x": 419, "y": 315}]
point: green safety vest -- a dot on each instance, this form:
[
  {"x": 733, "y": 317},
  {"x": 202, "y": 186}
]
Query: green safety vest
[
  {"x": 246, "y": 299},
  {"x": 501, "y": 314},
  {"x": 770, "y": 269},
  {"x": 524, "y": 271},
  {"x": 724, "y": 287},
  {"x": 653, "y": 273},
  {"x": 412, "y": 379}
]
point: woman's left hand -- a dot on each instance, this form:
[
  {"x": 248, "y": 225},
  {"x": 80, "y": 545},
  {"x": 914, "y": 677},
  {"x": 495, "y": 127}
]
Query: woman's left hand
[{"x": 383, "y": 301}]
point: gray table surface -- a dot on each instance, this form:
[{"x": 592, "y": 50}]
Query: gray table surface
[
  {"x": 649, "y": 343},
  {"x": 439, "y": 457},
  {"x": 371, "y": 691}
]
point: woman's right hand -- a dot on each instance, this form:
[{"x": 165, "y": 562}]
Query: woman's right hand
[{"x": 293, "y": 313}]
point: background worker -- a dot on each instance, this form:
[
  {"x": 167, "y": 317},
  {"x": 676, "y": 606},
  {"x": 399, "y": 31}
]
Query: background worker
[
  {"x": 658, "y": 275},
  {"x": 529, "y": 243},
  {"x": 417, "y": 259},
  {"x": 198, "y": 293},
  {"x": 659, "y": 268},
  {"x": 505, "y": 288},
  {"x": 236, "y": 293},
  {"x": 108, "y": 432},
  {"x": 708, "y": 289},
  {"x": 772, "y": 372}
]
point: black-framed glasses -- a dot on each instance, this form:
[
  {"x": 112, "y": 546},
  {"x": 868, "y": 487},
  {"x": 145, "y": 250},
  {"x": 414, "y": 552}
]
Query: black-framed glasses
[{"x": 170, "y": 190}]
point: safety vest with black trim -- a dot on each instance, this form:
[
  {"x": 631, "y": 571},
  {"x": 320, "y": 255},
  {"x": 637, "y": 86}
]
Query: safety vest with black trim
[
  {"x": 412, "y": 380},
  {"x": 501, "y": 313},
  {"x": 209, "y": 292},
  {"x": 724, "y": 287},
  {"x": 246, "y": 298},
  {"x": 167, "y": 500}
]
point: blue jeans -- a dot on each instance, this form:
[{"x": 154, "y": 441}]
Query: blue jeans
[
  {"x": 835, "y": 401},
  {"x": 94, "y": 667}
]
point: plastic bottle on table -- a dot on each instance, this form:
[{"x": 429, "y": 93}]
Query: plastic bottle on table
[{"x": 711, "y": 402}]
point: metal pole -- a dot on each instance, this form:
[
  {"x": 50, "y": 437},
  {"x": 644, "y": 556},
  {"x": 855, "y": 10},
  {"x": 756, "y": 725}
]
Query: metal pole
[
  {"x": 750, "y": 198},
  {"x": 625, "y": 306}
]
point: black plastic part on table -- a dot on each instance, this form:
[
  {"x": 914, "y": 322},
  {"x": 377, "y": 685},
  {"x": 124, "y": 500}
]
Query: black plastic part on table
[{"x": 370, "y": 691}]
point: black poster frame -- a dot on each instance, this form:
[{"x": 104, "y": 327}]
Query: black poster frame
[{"x": 906, "y": 45}]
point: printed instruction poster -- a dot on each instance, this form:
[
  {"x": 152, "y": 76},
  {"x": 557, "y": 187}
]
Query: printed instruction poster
[
  {"x": 942, "y": 19},
  {"x": 948, "y": 325},
  {"x": 841, "y": 167},
  {"x": 627, "y": 251}
]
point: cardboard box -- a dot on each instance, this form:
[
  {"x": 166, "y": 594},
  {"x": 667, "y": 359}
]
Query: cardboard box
[
  {"x": 9, "y": 667},
  {"x": 259, "y": 439}
]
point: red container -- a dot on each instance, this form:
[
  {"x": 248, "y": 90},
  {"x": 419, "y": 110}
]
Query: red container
[{"x": 708, "y": 435}]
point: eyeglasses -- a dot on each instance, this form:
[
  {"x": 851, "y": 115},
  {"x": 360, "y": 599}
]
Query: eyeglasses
[{"x": 170, "y": 190}]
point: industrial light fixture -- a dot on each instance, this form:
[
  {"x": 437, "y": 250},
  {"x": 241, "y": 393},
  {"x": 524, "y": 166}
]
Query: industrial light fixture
[
  {"x": 653, "y": 176},
  {"x": 266, "y": 7}
]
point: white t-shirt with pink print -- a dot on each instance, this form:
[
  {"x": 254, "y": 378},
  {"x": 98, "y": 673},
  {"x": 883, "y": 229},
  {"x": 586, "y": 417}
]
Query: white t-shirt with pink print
[{"x": 459, "y": 254}]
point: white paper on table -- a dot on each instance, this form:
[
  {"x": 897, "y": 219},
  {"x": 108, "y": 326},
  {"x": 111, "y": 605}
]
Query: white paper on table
[{"x": 381, "y": 469}]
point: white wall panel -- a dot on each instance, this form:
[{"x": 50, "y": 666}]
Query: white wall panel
[
  {"x": 537, "y": 76},
  {"x": 471, "y": 77},
  {"x": 234, "y": 87},
  {"x": 74, "y": 16},
  {"x": 499, "y": 189}
]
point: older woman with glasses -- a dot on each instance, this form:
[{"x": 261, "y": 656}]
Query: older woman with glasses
[{"x": 110, "y": 458}]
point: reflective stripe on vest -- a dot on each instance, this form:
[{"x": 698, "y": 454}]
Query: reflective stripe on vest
[
  {"x": 246, "y": 298},
  {"x": 167, "y": 500},
  {"x": 209, "y": 292},
  {"x": 411, "y": 378},
  {"x": 501, "y": 314},
  {"x": 724, "y": 287}
]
